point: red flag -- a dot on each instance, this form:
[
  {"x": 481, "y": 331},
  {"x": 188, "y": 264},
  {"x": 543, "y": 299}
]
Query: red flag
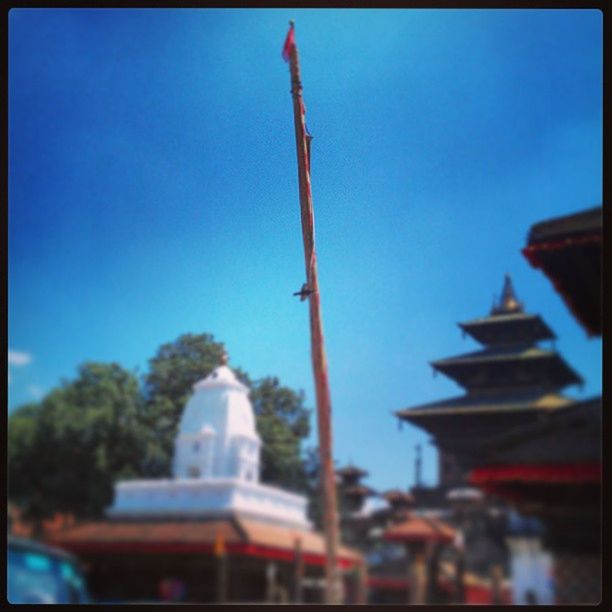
[{"x": 289, "y": 43}]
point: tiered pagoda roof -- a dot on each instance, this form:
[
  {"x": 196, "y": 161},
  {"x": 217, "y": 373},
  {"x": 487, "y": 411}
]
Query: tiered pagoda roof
[
  {"x": 351, "y": 474},
  {"x": 510, "y": 366},
  {"x": 352, "y": 489},
  {"x": 508, "y": 382},
  {"x": 511, "y": 328},
  {"x": 358, "y": 490},
  {"x": 399, "y": 499}
]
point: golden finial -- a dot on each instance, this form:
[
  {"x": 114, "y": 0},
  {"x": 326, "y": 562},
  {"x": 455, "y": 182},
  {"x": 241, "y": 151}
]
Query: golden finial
[
  {"x": 224, "y": 358},
  {"x": 508, "y": 302}
]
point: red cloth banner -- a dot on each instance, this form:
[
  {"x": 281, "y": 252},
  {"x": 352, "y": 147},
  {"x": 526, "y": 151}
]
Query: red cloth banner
[{"x": 289, "y": 43}]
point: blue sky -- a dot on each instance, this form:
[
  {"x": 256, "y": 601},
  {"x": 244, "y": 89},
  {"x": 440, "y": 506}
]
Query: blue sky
[{"x": 153, "y": 192}]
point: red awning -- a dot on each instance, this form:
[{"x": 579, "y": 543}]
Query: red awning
[{"x": 546, "y": 473}]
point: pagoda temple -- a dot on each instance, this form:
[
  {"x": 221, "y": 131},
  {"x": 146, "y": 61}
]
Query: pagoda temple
[
  {"x": 552, "y": 469},
  {"x": 352, "y": 490},
  {"x": 511, "y": 381},
  {"x": 352, "y": 494}
]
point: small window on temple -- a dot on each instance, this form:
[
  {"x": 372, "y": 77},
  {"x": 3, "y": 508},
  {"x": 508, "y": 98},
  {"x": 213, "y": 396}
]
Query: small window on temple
[{"x": 194, "y": 472}]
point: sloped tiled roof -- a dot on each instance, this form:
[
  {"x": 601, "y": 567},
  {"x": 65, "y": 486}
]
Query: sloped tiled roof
[
  {"x": 420, "y": 529},
  {"x": 267, "y": 534},
  {"x": 568, "y": 251},
  {"x": 491, "y": 402},
  {"x": 517, "y": 325},
  {"x": 351, "y": 470},
  {"x": 498, "y": 353},
  {"x": 189, "y": 535},
  {"x": 171, "y": 531}
]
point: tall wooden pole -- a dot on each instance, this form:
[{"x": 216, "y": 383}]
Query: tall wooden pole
[
  {"x": 298, "y": 571},
  {"x": 221, "y": 563},
  {"x": 319, "y": 363}
]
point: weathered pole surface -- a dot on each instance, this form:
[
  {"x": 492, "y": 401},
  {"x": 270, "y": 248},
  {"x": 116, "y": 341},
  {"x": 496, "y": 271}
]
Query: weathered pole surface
[
  {"x": 459, "y": 589},
  {"x": 496, "y": 584},
  {"x": 298, "y": 571},
  {"x": 362, "y": 584},
  {"x": 270, "y": 581},
  {"x": 433, "y": 568},
  {"x": 221, "y": 562},
  {"x": 330, "y": 514},
  {"x": 417, "y": 576}
]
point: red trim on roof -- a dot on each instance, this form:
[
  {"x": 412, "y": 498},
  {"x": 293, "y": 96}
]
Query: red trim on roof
[
  {"x": 279, "y": 554},
  {"x": 555, "y": 473},
  {"x": 430, "y": 537},
  {"x": 251, "y": 550},
  {"x": 532, "y": 252},
  {"x": 556, "y": 245}
]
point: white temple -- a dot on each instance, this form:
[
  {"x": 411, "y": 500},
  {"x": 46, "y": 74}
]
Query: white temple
[{"x": 216, "y": 464}]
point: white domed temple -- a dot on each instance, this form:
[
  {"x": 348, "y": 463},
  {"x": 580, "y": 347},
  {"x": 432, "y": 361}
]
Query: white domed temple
[
  {"x": 216, "y": 464},
  {"x": 213, "y": 509}
]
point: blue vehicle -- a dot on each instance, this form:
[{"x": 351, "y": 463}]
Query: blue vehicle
[{"x": 41, "y": 574}]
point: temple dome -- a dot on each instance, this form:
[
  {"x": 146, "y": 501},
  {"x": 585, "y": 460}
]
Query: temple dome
[
  {"x": 216, "y": 463},
  {"x": 217, "y": 434},
  {"x": 221, "y": 376},
  {"x": 220, "y": 403}
]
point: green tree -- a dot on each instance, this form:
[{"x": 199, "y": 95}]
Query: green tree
[
  {"x": 282, "y": 423},
  {"x": 65, "y": 453},
  {"x": 173, "y": 371}
]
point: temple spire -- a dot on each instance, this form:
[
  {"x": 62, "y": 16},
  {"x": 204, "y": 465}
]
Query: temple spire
[{"x": 508, "y": 302}]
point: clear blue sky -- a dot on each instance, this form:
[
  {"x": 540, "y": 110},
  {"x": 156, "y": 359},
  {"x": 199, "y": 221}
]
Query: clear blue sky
[{"x": 153, "y": 192}]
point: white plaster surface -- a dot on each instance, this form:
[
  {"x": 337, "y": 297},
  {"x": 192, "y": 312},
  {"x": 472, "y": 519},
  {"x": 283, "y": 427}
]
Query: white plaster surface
[{"x": 216, "y": 464}]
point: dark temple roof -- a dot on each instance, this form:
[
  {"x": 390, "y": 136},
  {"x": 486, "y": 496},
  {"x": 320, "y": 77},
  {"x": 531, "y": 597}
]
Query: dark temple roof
[
  {"x": 568, "y": 251},
  {"x": 351, "y": 470},
  {"x": 585, "y": 222},
  {"x": 496, "y": 402},
  {"x": 508, "y": 328},
  {"x": 569, "y": 435},
  {"x": 524, "y": 366}
]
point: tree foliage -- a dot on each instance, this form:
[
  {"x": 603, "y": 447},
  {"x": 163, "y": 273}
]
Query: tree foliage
[
  {"x": 173, "y": 371},
  {"x": 66, "y": 452},
  {"x": 282, "y": 423}
]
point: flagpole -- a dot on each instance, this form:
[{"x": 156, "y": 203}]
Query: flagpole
[{"x": 319, "y": 362}]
